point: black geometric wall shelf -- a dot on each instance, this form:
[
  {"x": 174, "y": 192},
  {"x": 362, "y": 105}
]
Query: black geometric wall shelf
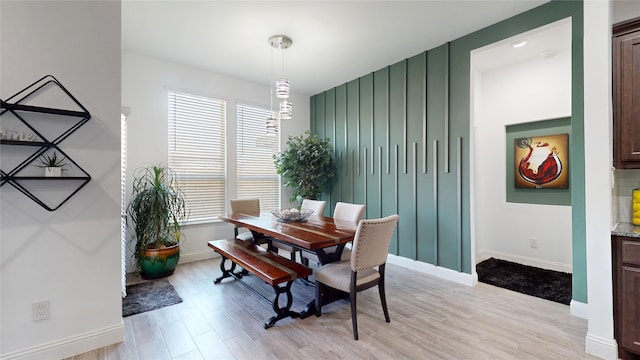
[{"x": 30, "y": 132}]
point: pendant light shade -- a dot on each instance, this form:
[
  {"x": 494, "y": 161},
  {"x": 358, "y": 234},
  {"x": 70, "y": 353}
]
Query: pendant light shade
[
  {"x": 282, "y": 88},
  {"x": 271, "y": 126},
  {"x": 286, "y": 110}
]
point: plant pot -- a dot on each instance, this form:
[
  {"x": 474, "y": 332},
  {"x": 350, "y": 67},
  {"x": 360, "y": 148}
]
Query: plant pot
[
  {"x": 157, "y": 263},
  {"x": 52, "y": 171}
]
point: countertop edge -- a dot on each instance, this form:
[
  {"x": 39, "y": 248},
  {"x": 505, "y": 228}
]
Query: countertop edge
[{"x": 626, "y": 229}]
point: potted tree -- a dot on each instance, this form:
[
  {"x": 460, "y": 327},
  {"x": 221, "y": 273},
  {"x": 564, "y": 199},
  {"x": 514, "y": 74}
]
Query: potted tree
[
  {"x": 307, "y": 165},
  {"x": 157, "y": 210}
]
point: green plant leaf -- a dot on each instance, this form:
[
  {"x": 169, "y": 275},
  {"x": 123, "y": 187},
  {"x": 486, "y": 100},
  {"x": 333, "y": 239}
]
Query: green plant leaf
[
  {"x": 157, "y": 208},
  {"x": 307, "y": 165}
]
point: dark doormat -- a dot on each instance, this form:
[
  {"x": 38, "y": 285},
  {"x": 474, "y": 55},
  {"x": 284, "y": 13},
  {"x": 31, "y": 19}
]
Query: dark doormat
[
  {"x": 149, "y": 295},
  {"x": 542, "y": 283}
]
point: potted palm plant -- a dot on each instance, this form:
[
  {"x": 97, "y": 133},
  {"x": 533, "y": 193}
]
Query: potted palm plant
[
  {"x": 157, "y": 210},
  {"x": 307, "y": 166}
]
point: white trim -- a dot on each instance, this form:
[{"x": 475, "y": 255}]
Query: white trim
[
  {"x": 197, "y": 256},
  {"x": 544, "y": 264},
  {"x": 601, "y": 347},
  {"x": 430, "y": 269},
  {"x": 579, "y": 309},
  {"x": 70, "y": 346}
]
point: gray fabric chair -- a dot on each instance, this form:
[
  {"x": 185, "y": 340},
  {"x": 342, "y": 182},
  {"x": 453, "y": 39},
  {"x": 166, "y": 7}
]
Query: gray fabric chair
[
  {"x": 370, "y": 249},
  {"x": 344, "y": 212}
]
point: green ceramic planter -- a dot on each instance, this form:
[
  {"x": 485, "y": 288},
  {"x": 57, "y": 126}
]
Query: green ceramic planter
[{"x": 157, "y": 263}]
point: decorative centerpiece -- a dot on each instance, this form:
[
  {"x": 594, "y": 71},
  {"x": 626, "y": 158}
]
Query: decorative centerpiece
[{"x": 292, "y": 215}]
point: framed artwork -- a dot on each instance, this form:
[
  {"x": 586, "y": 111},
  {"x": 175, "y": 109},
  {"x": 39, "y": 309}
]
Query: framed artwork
[{"x": 541, "y": 162}]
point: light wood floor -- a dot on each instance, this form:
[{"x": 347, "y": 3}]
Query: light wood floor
[{"x": 430, "y": 319}]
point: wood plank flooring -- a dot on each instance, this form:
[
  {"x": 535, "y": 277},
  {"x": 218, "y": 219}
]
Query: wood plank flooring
[{"x": 430, "y": 319}]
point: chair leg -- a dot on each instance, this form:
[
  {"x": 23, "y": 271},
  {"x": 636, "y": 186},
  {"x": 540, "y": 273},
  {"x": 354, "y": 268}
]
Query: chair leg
[
  {"x": 352, "y": 299},
  {"x": 383, "y": 298},
  {"x": 354, "y": 316},
  {"x": 318, "y": 298}
]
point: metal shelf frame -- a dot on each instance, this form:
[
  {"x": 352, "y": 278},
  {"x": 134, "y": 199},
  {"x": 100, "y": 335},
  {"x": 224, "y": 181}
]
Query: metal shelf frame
[{"x": 15, "y": 106}]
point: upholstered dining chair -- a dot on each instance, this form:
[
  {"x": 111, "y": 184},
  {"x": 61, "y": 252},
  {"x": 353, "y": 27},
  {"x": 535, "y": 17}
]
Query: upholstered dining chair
[
  {"x": 370, "y": 249},
  {"x": 346, "y": 212},
  {"x": 316, "y": 205},
  {"x": 245, "y": 206}
]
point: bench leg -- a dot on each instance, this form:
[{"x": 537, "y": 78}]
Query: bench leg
[
  {"x": 281, "y": 312},
  {"x": 225, "y": 273}
]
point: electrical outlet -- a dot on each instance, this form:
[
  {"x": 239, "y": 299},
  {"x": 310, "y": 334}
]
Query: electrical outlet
[
  {"x": 533, "y": 243},
  {"x": 40, "y": 310}
]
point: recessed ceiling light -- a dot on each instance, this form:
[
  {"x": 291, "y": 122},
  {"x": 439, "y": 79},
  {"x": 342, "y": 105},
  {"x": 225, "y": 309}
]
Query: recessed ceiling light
[{"x": 519, "y": 43}]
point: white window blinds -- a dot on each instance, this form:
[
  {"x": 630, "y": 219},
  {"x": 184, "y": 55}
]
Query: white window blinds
[
  {"x": 197, "y": 152},
  {"x": 257, "y": 175}
]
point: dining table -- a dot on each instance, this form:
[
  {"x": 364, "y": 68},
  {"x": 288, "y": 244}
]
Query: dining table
[{"x": 324, "y": 236}]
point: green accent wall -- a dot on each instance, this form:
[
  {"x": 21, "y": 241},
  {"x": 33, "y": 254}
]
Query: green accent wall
[{"x": 402, "y": 136}]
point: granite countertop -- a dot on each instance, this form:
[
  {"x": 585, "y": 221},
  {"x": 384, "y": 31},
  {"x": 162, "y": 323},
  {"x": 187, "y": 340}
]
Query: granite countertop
[{"x": 626, "y": 229}]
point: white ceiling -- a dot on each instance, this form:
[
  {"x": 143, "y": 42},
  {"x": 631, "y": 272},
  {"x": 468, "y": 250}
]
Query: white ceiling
[
  {"x": 333, "y": 41},
  {"x": 543, "y": 42}
]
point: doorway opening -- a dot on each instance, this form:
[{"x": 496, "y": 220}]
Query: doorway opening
[{"x": 520, "y": 80}]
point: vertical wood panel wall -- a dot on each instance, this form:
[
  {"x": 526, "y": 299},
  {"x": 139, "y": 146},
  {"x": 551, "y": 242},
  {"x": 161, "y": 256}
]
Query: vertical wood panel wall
[{"x": 389, "y": 130}]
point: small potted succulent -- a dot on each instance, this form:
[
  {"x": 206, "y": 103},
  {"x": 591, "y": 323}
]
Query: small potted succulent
[{"x": 52, "y": 165}]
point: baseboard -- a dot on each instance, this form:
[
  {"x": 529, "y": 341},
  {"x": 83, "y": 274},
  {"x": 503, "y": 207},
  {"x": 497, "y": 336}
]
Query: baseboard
[
  {"x": 579, "y": 309},
  {"x": 601, "y": 347},
  {"x": 430, "y": 269},
  {"x": 543, "y": 264},
  {"x": 70, "y": 346},
  {"x": 197, "y": 256}
]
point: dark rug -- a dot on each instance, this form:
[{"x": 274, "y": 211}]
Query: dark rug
[
  {"x": 149, "y": 295},
  {"x": 542, "y": 283}
]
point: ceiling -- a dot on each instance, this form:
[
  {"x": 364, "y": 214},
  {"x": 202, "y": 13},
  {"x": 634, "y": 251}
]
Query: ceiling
[{"x": 333, "y": 41}]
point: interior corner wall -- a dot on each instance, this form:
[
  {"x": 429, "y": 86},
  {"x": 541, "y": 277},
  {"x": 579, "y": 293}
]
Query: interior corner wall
[
  {"x": 415, "y": 116},
  {"x": 537, "y": 89},
  {"x": 145, "y": 84},
  {"x": 71, "y": 256}
]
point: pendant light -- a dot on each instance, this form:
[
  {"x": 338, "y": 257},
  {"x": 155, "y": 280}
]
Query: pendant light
[{"x": 282, "y": 85}]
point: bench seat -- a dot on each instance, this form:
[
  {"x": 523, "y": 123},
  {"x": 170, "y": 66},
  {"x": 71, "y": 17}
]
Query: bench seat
[{"x": 275, "y": 270}]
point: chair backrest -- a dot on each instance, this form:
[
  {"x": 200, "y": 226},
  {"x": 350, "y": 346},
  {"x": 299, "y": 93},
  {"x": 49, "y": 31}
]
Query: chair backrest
[
  {"x": 371, "y": 242},
  {"x": 316, "y": 205},
  {"x": 245, "y": 206},
  {"x": 348, "y": 212}
]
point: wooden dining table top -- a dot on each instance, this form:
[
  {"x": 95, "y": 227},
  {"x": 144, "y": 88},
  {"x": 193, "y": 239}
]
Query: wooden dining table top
[{"x": 316, "y": 232}]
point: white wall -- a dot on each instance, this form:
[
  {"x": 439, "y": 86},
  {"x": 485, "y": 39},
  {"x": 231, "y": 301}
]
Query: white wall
[
  {"x": 534, "y": 90},
  {"x": 598, "y": 161},
  {"x": 145, "y": 82},
  {"x": 70, "y": 257},
  {"x": 624, "y": 10}
]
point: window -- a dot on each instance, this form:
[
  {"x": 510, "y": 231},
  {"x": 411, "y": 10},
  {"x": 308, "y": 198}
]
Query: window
[
  {"x": 197, "y": 152},
  {"x": 257, "y": 175}
]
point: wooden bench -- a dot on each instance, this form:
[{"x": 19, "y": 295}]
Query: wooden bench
[{"x": 274, "y": 269}]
